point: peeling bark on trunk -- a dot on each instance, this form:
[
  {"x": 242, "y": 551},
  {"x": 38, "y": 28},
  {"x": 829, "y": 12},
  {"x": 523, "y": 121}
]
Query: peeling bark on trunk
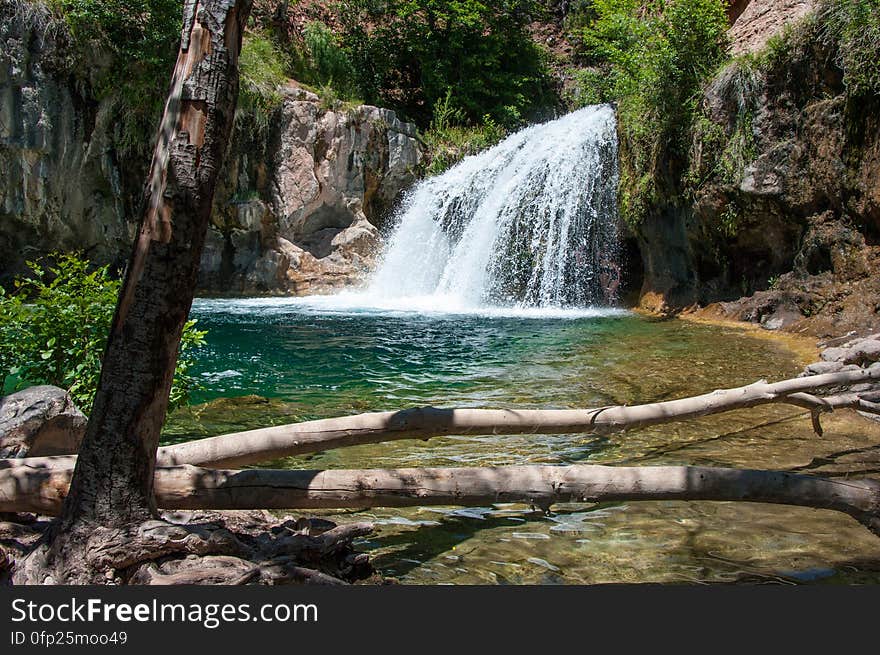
[
  {"x": 111, "y": 492},
  {"x": 113, "y": 481},
  {"x": 189, "y": 487}
]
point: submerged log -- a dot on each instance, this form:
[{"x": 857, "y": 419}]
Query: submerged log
[
  {"x": 255, "y": 446},
  {"x": 25, "y": 488}
]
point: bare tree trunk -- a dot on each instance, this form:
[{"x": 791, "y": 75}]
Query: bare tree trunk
[
  {"x": 112, "y": 485},
  {"x": 189, "y": 487},
  {"x": 114, "y": 472},
  {"x": 255, "y": 446}
]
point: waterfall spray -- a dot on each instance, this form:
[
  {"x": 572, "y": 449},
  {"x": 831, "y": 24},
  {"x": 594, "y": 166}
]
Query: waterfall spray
[{"x": 531, "y": 222}]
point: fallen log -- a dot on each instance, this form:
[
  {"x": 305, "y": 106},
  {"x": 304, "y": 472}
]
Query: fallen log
[
  {"x": 266, "y": 444},
  {"x": 24, "y": 488}
]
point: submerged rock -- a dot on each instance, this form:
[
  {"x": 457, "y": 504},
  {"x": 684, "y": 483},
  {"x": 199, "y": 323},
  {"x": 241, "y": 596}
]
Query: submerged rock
[{"x": 40, "y": 421}]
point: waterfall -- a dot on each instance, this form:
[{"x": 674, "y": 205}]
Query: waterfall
[{"x": 531, "y": 222}]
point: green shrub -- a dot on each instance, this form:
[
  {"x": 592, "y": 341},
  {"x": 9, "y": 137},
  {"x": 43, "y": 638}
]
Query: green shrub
[
  {"x": 262, "y": 69},
  {"x": 408, "y": 53},
  {"x": 54, "y": 329},
  {"x": 126, "y": 48},
  {"x": 722, "y": 152},
  {"x": 652, "y": 59},
  {"x": 448, "y": 141},
  {"x": 853, "y": 27},
  {"x": 321, "y": 62},
  {"x": 588, "y": 87}
]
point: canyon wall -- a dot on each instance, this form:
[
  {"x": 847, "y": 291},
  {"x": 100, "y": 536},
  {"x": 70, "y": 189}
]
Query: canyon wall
[
  {"x": 780, "y": 203},
  {"x": 296, "y": 211}
]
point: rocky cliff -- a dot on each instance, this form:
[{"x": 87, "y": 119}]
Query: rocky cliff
[
  {"x": 299, "y": 207},
  {"x": 780, "y": 202},
  {"x": 63, "y": 185},
  {"x": 296, "y": 211},
  {"x": 754, "y": 22}
]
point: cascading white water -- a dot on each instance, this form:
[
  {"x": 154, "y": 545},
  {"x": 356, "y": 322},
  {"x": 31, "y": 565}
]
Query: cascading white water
[{"x": 531, "y": 222}]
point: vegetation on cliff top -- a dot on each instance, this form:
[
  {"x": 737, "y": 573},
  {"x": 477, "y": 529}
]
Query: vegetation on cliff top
[
  {"x": 651, "y": 58},
  {"x": 409, "y": 54},
  {"x": 842, "y": 35},
  {"x": 124, "y": 50},
  {"x": 656, "y": 59},
  {"x": 468, "y": 71},
  {"x": 463, "y": 70}
]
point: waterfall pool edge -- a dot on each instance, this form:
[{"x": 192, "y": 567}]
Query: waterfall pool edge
[{"x": 271, "y": 361}]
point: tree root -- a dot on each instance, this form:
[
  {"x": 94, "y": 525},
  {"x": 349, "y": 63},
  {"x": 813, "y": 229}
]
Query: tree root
[{"x": 235, "y": 548}]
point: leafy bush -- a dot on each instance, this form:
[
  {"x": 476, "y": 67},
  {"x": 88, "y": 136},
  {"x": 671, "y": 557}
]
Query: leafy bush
[
  {"x": 843, "y": 31},
  {"x": 126, "y": 48},
  {"x": 408, "y": 54},
  {"x": 321, "y": 62},
  {"x": 853, "y": 26},
  {"x": 449, "y": 141},
  {"x": 54, "y": 330},
  {"x": 652, "y": 58},
  {"x": 262, "y": 68}
]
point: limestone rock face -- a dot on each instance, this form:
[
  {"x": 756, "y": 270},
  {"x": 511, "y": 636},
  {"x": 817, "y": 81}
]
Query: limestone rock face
[
  {"x": 62, "y": 185},
  {"x": 326, "y": 178},
  {"x": 779, "y": 223},
  {"x": 39, "y": 421},
  {"x": 757, "y": 20},
  {"x": 296, "y": 209}
]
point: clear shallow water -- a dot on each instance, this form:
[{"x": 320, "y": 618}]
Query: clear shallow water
[{"x": 271, "y": 361}]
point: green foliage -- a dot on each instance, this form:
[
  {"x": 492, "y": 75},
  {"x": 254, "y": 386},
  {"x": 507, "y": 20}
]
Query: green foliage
[
  {"x": 407, "y": 54},
  {"x": 722, "y": 152},
  {"x": 262, "y": 69},
  {"x": 131, "y": 44},
  {"x": 848, "y": 30},
  {"x": 449, "y": 141},
  {"x": 588, "y": 87},
  {"x": 11, "y": 333},
  {"x": 321, "y": 62},
  {"x": 854, "y": 27},
  {"x": 54, "y": 330},
  {"x": 652, "y": 58}
]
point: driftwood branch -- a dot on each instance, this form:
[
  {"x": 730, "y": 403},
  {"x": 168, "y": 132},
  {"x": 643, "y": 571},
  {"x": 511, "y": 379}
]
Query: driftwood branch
[
  {"x": 255, "y": 446},
  {"x": 266, "y": 444},
  {"x": 25, "y": 488}
]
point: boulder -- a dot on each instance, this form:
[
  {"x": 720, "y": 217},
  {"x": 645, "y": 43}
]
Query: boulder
[
  {"x": 303, "y": 206},
  {"x": 40, "y": 421},
  {"x": 756, "y": 21}
]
